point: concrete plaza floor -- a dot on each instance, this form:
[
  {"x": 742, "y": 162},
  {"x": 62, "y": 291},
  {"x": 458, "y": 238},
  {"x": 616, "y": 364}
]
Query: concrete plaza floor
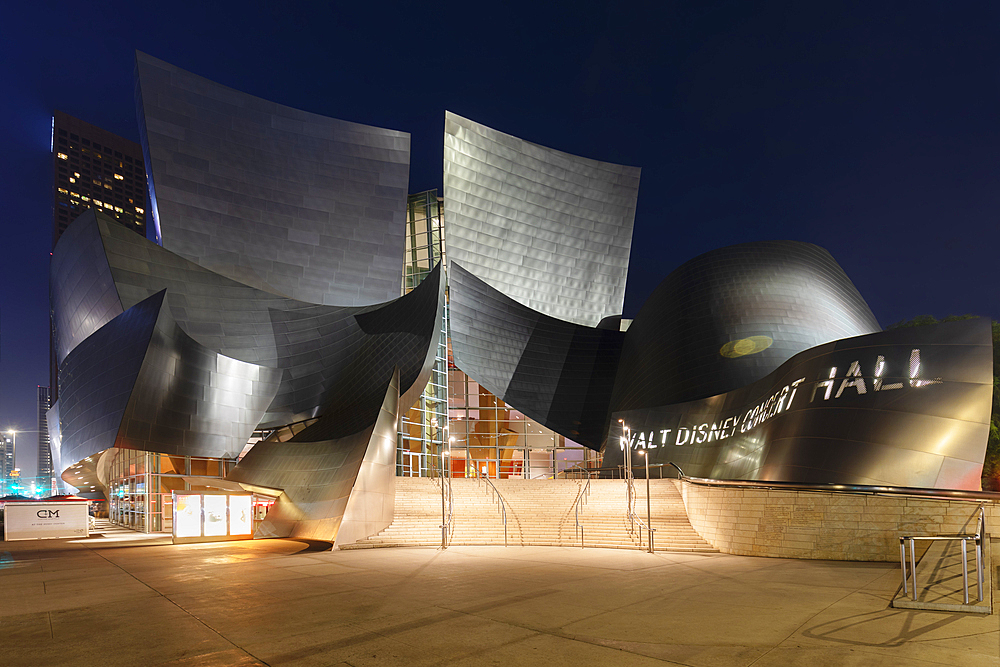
[{"x": 126, "y": 599}]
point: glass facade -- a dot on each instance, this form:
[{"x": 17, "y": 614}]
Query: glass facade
[
  {"x": 423, "y": 427},
  {"x": 489, "y": 438},
  {"x": 142, "y": 483}
]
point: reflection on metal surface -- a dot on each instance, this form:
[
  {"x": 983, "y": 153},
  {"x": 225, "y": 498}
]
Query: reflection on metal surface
[
  {"x": 332, "y": 489},
  {"x": 744, "y": 346},
  {"x": 559, "y": 374},
  {"x": 288, "y": 201},
  {"x": 793, "y": 293},
  {"x": 550, "y": 230},
  {"x": 906, "y": 407}
]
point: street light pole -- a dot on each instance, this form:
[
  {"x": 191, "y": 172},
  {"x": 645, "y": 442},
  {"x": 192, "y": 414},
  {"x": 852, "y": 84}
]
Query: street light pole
[
  {"x": 444, "y": 519},
  {"x": 649, "y": 513}
]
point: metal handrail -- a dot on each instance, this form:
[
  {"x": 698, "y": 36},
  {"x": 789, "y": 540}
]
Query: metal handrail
[
  {"x": 956, "y": 494},
  {"x": 446, "y": 531},
  {"x": 498, "y": 498},
  {"x": 649, "y": 531},
  {"x": 576, "y": 467},
  {"x": 632, "y": 517},
  {"x": 578, "y": 504},
  {"x": 617, "y": 471},
  {"x": 964, "y": 538}
]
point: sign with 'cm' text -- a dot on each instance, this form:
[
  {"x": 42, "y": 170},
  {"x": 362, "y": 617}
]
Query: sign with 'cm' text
[{"x": 44, "y": 521}]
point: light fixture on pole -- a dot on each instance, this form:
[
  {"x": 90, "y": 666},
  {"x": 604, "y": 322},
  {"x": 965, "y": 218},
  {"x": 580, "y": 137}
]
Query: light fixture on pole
[
  {"x": 649, "y": 514},
  {"x": 444, "y": 512}
]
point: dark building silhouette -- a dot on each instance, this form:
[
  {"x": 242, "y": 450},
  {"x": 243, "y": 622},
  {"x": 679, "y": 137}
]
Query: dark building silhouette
[
  {"x": 94, "y": 168},
  {"x": 44, "y": 449}
]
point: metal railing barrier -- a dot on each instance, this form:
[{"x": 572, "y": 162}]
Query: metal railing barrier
[
  {"x": 633, "y": 518},
  {"x": 578, "y": 505},
  {"x": 447, "y": 503},
  {"x": 495, "y": 495},
  {"x": 964, "y": 538}
]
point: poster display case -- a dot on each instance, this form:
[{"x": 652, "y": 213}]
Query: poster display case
[{"x": 211, "y": 517}]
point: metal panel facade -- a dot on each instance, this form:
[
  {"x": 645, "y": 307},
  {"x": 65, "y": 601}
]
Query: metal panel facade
[
  {"x": 294, "y": 203},
  {"x": 339, "y": 488},
  {"x": 905, "y": 407},
  {"x": 551, "y": 230},
  {"x": 558, "y": 373},
  {"x": 731, "y": 316},
  {"x": 329, "y": 357}
]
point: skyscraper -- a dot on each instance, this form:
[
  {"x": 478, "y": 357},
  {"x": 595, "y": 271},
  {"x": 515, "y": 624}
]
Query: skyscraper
[
  {"x": 6, "y": 455},
  {"x": 94, "y": 167},
  {"x": 44, "y": 449}
]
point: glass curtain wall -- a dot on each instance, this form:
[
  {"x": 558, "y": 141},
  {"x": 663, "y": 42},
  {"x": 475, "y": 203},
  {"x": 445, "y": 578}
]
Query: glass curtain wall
[
  {"x": 423, "y": 428},
  {"x": 491, "y": 439},
  {"x": 142, "y": 483}
]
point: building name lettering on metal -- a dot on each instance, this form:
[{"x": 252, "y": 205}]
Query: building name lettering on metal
[{"x": 779, "y": 402}]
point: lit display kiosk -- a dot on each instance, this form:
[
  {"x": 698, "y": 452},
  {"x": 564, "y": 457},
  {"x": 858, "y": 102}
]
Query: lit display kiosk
[{"x": 212, "y": 517}]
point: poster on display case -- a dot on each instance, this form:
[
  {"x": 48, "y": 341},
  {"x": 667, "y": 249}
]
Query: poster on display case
[
  {"x": 215, "y": 516},
  {"x": 240, "y": 518},
  {"x": 212, "y": 517},
  {"x": 187, "y": 515}
]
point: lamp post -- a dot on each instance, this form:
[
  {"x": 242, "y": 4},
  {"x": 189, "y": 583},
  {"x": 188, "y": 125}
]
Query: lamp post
[
  {"x": 649, "y": 514},
  {"x": 444, "y": 520}
]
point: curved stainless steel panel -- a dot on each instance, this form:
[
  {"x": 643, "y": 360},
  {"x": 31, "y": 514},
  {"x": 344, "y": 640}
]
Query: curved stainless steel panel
[
  {"x": 559, "y": 374},
  {"x": 905, "y": 407},
  {"x": 97, "y": 378},
  {"x": 190, "y": 400},
  {"x": 321, "y": 350},
  {"x": 285, "y": 200},
  {"x": 551, "y": 230},
  {"x": 332, "y": 489},
  {"x": 141, "y": 383},
  {"x": 731, "y": 316},
  {"x": 82, "y": 290}
]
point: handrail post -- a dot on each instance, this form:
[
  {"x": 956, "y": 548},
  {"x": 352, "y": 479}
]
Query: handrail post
[
  {"x": 980, "y": 560},
  {"x": 979, "y": 566},
  {"x": 965, "y": 570},
  {"x": 444, "y": 518},
  {"x": 902, "y": 563},
  {"x": 649, "y": 511},
  {"x": 913, "y": 568}
]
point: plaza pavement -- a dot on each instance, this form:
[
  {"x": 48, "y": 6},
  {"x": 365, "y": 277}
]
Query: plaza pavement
[{"x": 129, "y": 599}]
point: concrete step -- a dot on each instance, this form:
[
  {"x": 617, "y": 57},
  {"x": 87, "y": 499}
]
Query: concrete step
[{"x": 539, "y": 512}]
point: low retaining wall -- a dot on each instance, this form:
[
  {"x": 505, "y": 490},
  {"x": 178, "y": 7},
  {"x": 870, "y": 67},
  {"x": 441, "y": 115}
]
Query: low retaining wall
[{"x": 823, "y": 524}]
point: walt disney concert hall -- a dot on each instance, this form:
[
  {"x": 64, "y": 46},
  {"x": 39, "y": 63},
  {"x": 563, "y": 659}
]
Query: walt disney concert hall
[{"x": 260, "y": 335}]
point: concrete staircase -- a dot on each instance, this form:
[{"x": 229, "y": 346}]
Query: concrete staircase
[{"x": 539, "y": 513}]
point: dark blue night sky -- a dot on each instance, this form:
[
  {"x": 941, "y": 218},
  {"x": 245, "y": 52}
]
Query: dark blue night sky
[{"x": 871, "y": 131}]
